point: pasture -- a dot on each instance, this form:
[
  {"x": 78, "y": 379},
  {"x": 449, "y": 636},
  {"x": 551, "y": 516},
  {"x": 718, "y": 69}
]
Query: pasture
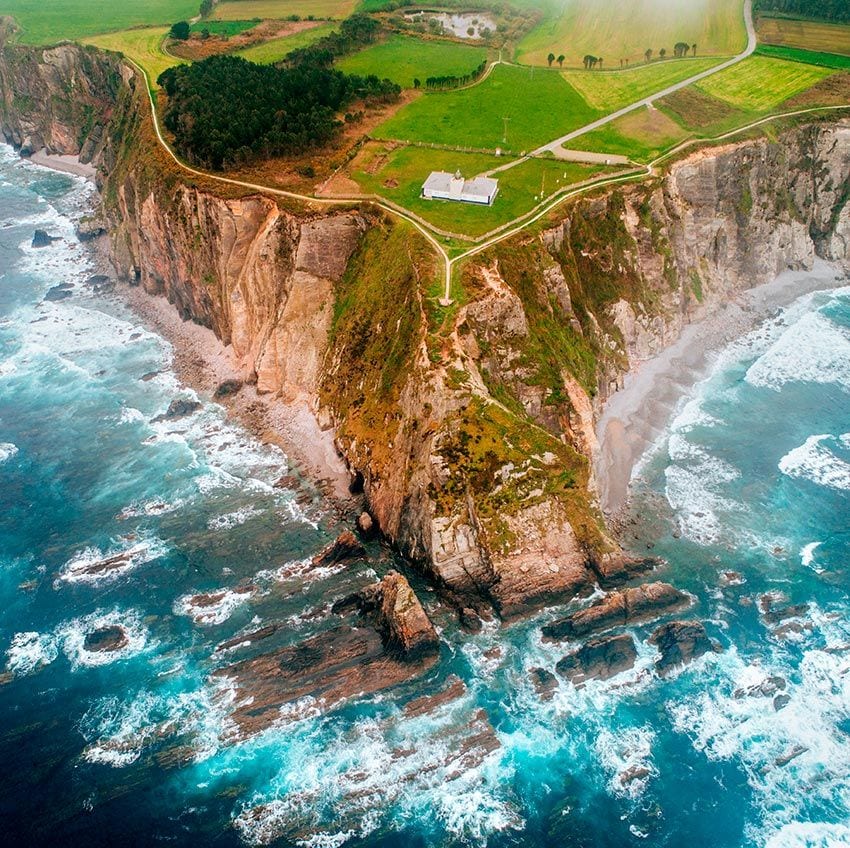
[
  {"x": 49, "y": 21},
  {"x": 611, "y": 90},
  {"x": 403, "y": 58},
  {"x": 273, "y": 50},
  {"x": 236, "y": 10},
  {"x": 143, "y": 46},
  {"x": 641, "y": 135},
  {"x": 538, "y": 106},
  {"x": 224, "y": 28},
  {"x": 624, "y": 29},
  {"x": 805, "y": 35},
  {"x": 807, "y": 57},
  {"x": 759, "y": 84},
  {"x": 397, "y": 174}
]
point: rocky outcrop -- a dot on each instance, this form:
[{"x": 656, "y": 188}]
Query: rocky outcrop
[
  {"x": 680, "y": 642},
  {"x": 106, "y": 639},
  {"x": 599, "y": 659},
  {"x": 472, "y": 428},
  {"x": 618, "y": 609},
  {"x": 344, "y": 547},
  {"x": 408, "y": 629}
]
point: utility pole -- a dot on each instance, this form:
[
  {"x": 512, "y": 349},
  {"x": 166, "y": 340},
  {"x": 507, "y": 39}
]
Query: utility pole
[{"x": 505, "y": 134}]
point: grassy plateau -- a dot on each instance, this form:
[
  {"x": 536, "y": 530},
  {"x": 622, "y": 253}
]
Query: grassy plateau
[
  {"x": 235, "y": 10},
  {"x": 143, "y": 46}
]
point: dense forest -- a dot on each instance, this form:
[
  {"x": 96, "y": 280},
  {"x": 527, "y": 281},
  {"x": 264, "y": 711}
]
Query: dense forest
[
  {"x": 828, "y": 10},
  {"x": 225, "y": 111},
  {"x": 355, "y": 32}
]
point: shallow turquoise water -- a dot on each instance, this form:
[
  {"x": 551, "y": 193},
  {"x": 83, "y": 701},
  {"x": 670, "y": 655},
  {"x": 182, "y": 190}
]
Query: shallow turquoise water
[{"x": 755, "y": 478}]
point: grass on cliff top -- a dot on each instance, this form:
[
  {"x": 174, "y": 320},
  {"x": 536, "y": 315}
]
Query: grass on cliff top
[
  {"x": 539, "y": 106},
  {"x": 805, "y": 35},
  {"x": 626, "y": 28},
  {"x": 143, "y": 46},
  {"x": 49, "y": 21},
  {"x": 397, "y": 174},
  {"x": 275, "y": 49},
  {"x": 759, "y": 84},
  {"x": 234, "y": 10},
  {"x": 611, "y": 90},
  {"x": 402, "y": 58}
]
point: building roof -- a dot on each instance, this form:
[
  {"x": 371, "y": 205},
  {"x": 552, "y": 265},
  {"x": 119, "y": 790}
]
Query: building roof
[{"x": 456, "y": 186}]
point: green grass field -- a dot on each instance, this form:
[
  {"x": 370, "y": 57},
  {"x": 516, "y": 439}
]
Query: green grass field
[
  {"x": 48, "y": 21},
  {"x": 759, "y": 84},
  {"x": 641, "y": 135},
  {"x": 398, "y": 175},
  {"x": 610, "y": 90},
  {"x": 235, "y": 10},
  {"x": 539, "y": 107},
  {"x": 226, "y": 28},
  {"x": 276, "y": 48},
  {"x": 401, "y": 59},
  {"x": 626, "y": 28},
  {"x": 805, "y": 35},
  {"x": 143, "y": 46},
  {"x": 807, "y": 57}
]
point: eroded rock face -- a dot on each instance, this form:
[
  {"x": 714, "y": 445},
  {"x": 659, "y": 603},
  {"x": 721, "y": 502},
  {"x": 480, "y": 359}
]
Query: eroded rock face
[
  {"x": 600, "y": 659},
  {"x": 618, "y": 609},
  {"x": 401, "y": 616},
  {"x": 344, "y": 547},
  {"x": 680, "y": 642}
]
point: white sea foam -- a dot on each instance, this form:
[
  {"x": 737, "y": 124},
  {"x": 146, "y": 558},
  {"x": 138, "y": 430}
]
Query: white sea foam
[
  {"x": 30, "y": 651},
  {"x": 807, "y": 553},
  {"x": 626, "y": 754},
  {"x": 813, "y": 350},
  {"x": 213, "y": 607},
  {"x": 72, "y": 636},
  {"x": 814, "y": 461},
  {"x": 7, "y": 451},
  {"x": 83, "y": 567},
  {"x": 147, "y": 508},
  {"x": 233, "y": 519},
  {"x": 811, "y": 835}
]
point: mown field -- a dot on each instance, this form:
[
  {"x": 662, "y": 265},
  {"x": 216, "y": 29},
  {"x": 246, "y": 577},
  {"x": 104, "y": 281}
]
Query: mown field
[
  {"x": 626, "y": 28},
  {"x": 611, "y": 90},
  {"x": 806, "y": 35},
  {"x": 48, "y": 21},
  {"x": 539, "y": 106},
  {"x": 275, "y": 49},
  {"x": 143, "y": 46},
  {"x": 398, "y": 175},
  {"x": 759, "y": 83},
  {"x": 225, "y": 28},
  {"x": 402, "y": 59},
  {"x": 641, "y": 135},
  {"x": 235, "y": 10}
]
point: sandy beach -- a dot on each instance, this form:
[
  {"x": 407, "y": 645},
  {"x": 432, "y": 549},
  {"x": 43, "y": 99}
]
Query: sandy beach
[
  {"x": 635, "y": 418},
  {"x": 66, "y": 164}
]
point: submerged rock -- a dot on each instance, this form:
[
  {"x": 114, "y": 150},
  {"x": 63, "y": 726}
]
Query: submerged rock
[
  {"x": 60, "y": 292},
  {"x": 617, "y": 609},
  {"x": 179, "y": 408},
  {"x": 104, "y": 639},
  {"x": 42, "y": 239},
  {"x": 599, "y": 658},
  {"x": 544, "y": 682},
  {"x": 681, "y": 642}
]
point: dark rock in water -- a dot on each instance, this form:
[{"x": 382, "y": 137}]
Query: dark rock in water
[
  {"x": 766, "y": 689},
  {"x": 179, "y": 408},
  {"x": 424, "y": 704},
  {"x": 614, "y": 569},
  {"x": 146, "y": 378},
  {"x": 617, "y": 609},
  {"x": 544, "y": 682},
  {"x": 344, "y": 548},
  {"x": 227, "y": 389},
  {"x": 470, "y": 620},
  {"x": 781, "y": 701},
  {"x": 403, "y": 620},
  {"x": 288, "y": 481},
  {"x": 256, "y": 636},
  {"x": 681, "y": 642},
  {"x": 60, "y": 292},
  {"x": 365, "y": 524},
  {"x": 99, "y": 282},
  {"x": 599, "y": 658},
  {"x": 773, "y": 612},
  {"x": 111, "y": 638},
  {"x": 786, "y": 758},
  {"x": 42, "y": 239}
]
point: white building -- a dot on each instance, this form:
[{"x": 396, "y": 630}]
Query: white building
[{"x": 442, "y": 185}]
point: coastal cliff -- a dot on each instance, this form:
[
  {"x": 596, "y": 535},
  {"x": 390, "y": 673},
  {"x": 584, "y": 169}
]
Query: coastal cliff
[{"x": 472, "y": 428}]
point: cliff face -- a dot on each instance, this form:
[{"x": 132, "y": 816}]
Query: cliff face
[{"x": 473, "y": 426}]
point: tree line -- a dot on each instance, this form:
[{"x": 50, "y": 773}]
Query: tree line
[
  {"x": 590, "y": 62},
  {"x": 355, "y": 32},
  {"x": 225, "y": 111},
  {"x": 828, "y": 10},
  {"x": 445, "y": 82}
]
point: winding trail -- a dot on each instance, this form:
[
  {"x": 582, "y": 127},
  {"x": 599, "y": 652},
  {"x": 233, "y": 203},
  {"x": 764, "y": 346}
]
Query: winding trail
[{"x": 524, "y": 221}]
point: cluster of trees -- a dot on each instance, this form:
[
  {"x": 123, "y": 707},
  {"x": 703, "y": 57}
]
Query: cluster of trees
[
  {"x": 180, "y": 30},
  {"x": 441, "y": 83},
  {"x": 551, "y": 58},
  {"x": 206, "y": 7},
  {"x": 354, "y": 32},
  {"x": 225, "y": 111},
  {"x": 828, "y": 10},
  {"x": 590, "y": 62}
]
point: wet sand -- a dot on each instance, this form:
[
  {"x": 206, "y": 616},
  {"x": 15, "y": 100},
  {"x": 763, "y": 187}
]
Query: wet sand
[
  {"x": 66, "y": 164},
  {"x": 636, "y": 417}
]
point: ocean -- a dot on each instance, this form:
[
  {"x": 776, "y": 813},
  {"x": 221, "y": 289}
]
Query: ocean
[{"x": 746, "y": 498}]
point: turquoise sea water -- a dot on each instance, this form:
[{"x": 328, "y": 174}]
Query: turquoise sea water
[{"x": 136, "y": 748}]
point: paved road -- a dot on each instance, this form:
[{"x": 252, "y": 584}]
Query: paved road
[{"x": 556, "y": 145}]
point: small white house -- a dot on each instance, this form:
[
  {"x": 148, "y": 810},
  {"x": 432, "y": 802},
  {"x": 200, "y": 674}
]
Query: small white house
[{"x": 441, "y": 185}]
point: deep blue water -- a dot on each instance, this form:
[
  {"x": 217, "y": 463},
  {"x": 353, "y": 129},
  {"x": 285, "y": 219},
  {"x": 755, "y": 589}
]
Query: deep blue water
[{"x": 136, "y": 748}]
